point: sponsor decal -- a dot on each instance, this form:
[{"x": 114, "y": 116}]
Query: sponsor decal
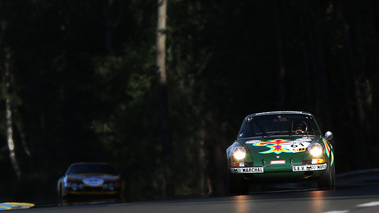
[
  {"x": 331, "y": 158},
  {"x": 327, "y": 147},
  {"x": 304, "y": 139},
  {"x": 278, "y": 146},
  {"x": 275, "y": 146},
  {"x": 329, "y": 152},
  {"x": 278, "y": 162},
  {"x": 304, "y": 168},
  {"x": 297, "y": 146},
  {"x": 248, "y": 170},
  {"x": 14, "y": 205},
  {"x": 253, "y": 141},
  {"x": 93, "y": 181}
]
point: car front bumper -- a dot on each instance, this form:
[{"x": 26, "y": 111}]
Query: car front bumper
[
  {"x": 93, "y": 191},
  {"x": 271, "y": 169},
  {"x": 283, "y": 173}
]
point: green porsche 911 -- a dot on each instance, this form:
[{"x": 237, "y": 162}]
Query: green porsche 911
[{"x": 280, "y": 146}]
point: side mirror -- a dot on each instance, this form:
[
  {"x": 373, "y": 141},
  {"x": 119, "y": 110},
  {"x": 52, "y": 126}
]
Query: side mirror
[{"x": 328, "y": 135}]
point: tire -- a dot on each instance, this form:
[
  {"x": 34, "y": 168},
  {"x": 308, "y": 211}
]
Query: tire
[
  {"x": 62, "y": 199},
  {"x": 60, "y": 196},
  {"x": 237, "y": 184},
  {"x": 328, "y": 179}
]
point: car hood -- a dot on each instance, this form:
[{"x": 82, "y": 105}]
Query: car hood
[
  {"x": 278, "y": 147},
  {"x": 93, "y": 175}
]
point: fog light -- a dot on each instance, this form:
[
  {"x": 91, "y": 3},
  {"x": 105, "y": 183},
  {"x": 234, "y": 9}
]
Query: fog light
[
  {"x": 238, "y": 164},
  {"x": 318, "y": 161}
]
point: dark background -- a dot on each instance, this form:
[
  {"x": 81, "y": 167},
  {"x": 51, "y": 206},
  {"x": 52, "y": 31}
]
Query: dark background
[{"x": 83, "y": 88}]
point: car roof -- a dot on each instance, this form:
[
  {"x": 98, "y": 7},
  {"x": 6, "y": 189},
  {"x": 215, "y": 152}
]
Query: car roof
[
  {"x": 74, "y": 166},
  {"x": 280, "y": 113},
  {"x": 90, "y": 163}
]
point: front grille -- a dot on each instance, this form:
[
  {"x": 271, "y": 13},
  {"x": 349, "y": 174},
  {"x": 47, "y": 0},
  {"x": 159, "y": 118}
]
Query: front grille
[
  {"x": 307, "y": 161},
  {"x": 93, "y": 189},
  {"x": 249, "y": 164}
]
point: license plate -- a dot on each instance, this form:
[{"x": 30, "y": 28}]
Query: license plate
[
  {"x": 304, "y": 168},
  {"x": 249, "y": 170}
]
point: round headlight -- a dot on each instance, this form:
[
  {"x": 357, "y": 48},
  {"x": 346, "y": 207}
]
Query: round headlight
[
  {"x": 111, "y": 186},
  {"x": 81, "y": 186},
  {"x": 315, "y": 149},
  {"x": 74, "y": 186},
  {"x": 105, "y": 186},
  {"x": 239, "y": 153}
]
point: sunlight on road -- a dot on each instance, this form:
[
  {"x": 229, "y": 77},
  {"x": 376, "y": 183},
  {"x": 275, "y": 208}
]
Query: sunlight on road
[
  {"x": 241, "y": 205},
  {"x": 317, "y": 199}
]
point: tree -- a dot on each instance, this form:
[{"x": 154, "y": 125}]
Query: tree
[
  {"x": 9, "y": 120},
  {"x": 162, "y": 97}
]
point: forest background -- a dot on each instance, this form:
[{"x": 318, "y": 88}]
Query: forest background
[{"x": 78, "y": 79}]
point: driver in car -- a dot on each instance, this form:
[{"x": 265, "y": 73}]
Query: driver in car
[{"x": 299, "y": 127}]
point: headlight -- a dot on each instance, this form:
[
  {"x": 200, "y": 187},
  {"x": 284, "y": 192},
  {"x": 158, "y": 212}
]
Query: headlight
[
  {"x": 74, "y": 186},
  {"x": 111, "y": 186},
  {"x": 105, "y": 186},
  {"x": 315, "y": 149},
  {"x": 239, "y": 153}
]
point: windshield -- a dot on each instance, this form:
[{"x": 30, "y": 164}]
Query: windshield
[
  {"x": 91, "y": 168},
  {"x": 278, "y": 125}
]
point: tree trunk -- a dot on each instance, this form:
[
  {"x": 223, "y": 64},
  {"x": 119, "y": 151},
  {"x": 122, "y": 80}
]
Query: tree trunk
[
  {"x": 354, "y": 80},
  {"x": 306, "y": 63},
  {"x": 322, "y": 76},
  {"x": 9, "y": 123},
  {"x": 108, "y": 27},
  {"x": 369, "y": 101},
  {"x": 164, "y": 126},
  {"x": 201, "y": 162},
  {"x": 373, "y": 31},
  {"x": 313, "y": 64},
  {"x": 282, "y": 71},
  {"x": 23, "y": 141}
]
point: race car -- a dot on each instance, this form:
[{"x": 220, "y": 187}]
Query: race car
[
  {"x": 280, "y": 146},
  {"x": 90, "y": 180}
]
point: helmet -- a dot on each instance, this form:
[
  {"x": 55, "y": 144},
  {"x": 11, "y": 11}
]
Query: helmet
[{"x": 299, "y": 127}]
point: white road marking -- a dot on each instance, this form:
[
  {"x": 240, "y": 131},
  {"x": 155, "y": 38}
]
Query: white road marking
[{"x": 370, "y": 204}]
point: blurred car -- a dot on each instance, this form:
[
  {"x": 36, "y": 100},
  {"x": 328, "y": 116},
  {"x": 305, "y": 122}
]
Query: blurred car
[
  {"x": 280, "y": 146},
  {"x": 90, "y": 179}
]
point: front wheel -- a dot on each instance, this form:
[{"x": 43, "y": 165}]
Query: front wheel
[
  {"x": 237, "y": 184},
  {"x": 60, "y": 196},
  {"x": 328, "y": 179}
]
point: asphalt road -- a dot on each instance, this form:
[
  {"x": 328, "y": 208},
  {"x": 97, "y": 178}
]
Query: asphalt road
[{"x": 298, "y": 200}]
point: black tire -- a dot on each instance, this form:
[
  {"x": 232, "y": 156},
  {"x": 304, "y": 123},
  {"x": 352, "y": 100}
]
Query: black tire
[
  {"x": 62, "y": 199},
  {"x": 237, "y": 184},
  {"x": 328, "y": 179},
  {"x": 60, "y": 196}
]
